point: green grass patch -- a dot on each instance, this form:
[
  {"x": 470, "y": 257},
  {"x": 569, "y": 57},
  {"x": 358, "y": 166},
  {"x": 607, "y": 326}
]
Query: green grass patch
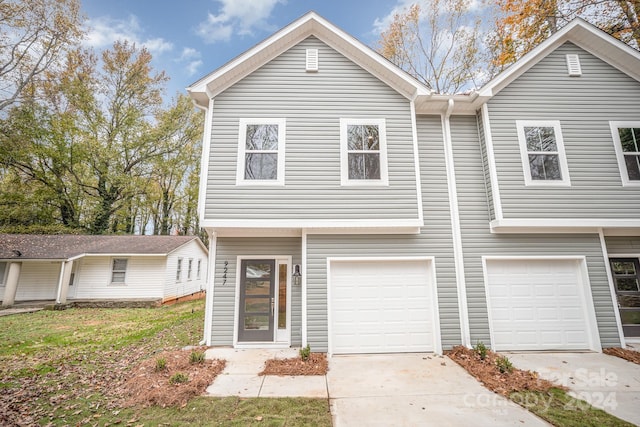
[{"x": 563, "y": 410}]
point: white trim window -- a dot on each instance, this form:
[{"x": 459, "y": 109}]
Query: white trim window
[
  {"x": 199, "y": 270},
  {"x": 179, "y": 270},
  {"x": 3, "y": 272},
  {"x": 626, "y": 138},
  {"x": 261, "y": 152},
  {"x": 119, "y": 271},
  {"x": 189, "y": 268},
  {"x": 363, "y": 152},
  {"x": 544, "y": 161}
]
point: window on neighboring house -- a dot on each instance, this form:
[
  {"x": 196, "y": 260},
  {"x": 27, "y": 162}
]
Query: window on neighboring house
[
  {"x": 189, "y": 268},
  {"x": 3, "y": 272},
  {"x": 199, "y": 271},
  {"x": 261, "y": 151},
  {"x": 542, "y": 149},
  {"x": 179, "y": 270},
  {"x": 118, "y": 270},
  {"x": 626, "y": 137},
  {"x": 363, "y": 152}
]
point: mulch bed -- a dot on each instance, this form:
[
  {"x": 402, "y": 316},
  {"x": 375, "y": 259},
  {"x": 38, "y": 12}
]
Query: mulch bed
[
  {"x": 623, "y": 353},
  {"x": 147, "y": 387},
  {"x": 316, "y": 364},
  {"x": 488, "y": 373}
]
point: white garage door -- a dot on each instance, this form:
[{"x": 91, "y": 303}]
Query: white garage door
[
  {"x": 381, "y": 306},
  {"x": 538, "y": 305}
]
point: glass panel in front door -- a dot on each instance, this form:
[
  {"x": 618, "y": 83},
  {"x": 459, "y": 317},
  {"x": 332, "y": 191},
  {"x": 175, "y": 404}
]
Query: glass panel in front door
[{"x": 257, "y": 300}]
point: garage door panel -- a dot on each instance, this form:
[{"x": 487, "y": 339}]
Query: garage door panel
[
  {"x": 381, "y": 306},
  {"x": 541, "y": 310}
]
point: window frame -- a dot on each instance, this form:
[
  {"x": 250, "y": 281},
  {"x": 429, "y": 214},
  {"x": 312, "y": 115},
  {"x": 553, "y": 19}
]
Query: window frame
[
  {"x": 344, "y": 152},
  {"x": 242, "y": 136},
  {"x": 179, "y": 270},
  {"x": 113, "y": 270},
  {"x": 524, "y": 154},
  {"x": 199, "y": 270},
  {"x": 622, "y": 165},
  {"x": 3, "y": 273},
  {"x": 189, "y": 269}
]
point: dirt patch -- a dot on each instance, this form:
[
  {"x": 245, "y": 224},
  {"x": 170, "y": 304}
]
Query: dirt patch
[
  {"x": 623, "y": 353},
  {"x": 316, "y": 364},
  {"x": 148, "y": 385},
  {"x": 486, "y": 371}
]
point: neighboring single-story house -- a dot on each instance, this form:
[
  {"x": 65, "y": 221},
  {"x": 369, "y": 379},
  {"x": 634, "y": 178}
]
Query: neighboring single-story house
[{"x": 72, "y": 267}]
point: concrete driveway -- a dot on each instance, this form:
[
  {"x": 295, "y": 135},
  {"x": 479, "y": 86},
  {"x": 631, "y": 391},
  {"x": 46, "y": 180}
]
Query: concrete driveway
[
  {"x": 607, "y": 382},
  {"x": 415, "y": 390}
]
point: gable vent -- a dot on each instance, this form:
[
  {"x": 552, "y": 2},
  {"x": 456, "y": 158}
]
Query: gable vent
[
  {"x": 573, "y": 65},
  {"x": 312, "y": 59}
]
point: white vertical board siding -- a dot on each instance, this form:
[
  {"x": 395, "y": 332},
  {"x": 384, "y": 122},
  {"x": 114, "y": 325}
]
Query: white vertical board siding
[
  {"x": 477, "y": 240},
  {"x": 623, "y": 245},
  {"x": 173, "y": 288},
  {"x": 584, "y": 106},
  {"x": 38, "y": 281},
  {"x": 228, "y": 249},
  {"x": 312, "y": 104},
  {"x": 434, "y": 240},
  {"x": 144, "y": 278}
]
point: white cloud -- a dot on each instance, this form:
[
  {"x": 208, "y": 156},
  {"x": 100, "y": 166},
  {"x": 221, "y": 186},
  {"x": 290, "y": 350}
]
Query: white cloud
[
  {"x": 191, "y": 58},
  {"x": 237, "y": 16},
  {"x": 103, "y": 31}
]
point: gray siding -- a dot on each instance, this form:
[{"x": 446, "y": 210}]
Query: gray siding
[
  {"x": 477, "y": 241},
  {"x": 228, "y": 249},
  {"x": 485, "y": 166},
  {"x": 434, "y": 240},
  {"x": 627, "y": 245},
  {"x": 584, "y": 106},
  {"x": 312, "y": 104}
]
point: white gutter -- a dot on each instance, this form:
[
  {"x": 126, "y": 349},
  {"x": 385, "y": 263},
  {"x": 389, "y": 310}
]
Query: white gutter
[{"x": 455, "y": 226}]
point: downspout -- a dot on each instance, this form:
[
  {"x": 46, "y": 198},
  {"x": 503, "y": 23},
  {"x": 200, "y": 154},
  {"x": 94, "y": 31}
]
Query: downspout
[
  {"x": 211, "y": 274},
  {"x": 455, "y": 226}
]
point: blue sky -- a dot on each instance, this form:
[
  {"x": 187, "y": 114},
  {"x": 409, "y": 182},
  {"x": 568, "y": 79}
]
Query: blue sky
[{"x": 190, "y": 38}]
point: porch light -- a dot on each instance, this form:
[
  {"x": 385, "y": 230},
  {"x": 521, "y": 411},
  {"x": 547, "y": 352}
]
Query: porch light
[{"x": 297, "y": 276}]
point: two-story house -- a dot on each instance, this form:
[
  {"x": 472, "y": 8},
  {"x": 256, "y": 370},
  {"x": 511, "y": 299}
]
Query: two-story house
[{"x": 352, "y": 209}]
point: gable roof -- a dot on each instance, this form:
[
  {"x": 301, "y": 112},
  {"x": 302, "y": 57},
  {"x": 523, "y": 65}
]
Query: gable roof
[
  {"x": 310, "y": 24},
  {"x": 62, "y": 247},
  {"x": 581, "y": 33}
]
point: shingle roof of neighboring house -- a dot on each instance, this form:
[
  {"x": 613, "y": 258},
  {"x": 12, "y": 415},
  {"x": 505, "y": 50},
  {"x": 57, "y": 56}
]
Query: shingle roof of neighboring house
[{"x": 36, "y": 246}]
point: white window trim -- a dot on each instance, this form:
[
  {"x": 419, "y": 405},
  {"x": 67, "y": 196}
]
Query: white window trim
[
  {"x": 126, "y": 269},
  {"x": 524, "y": 154},
  {"x": 189, "y": 269},
  {"x": 199, "y": 269},
  {"x": 622, "y": 166},
  {"x": 242, "y": 135},
  {"x": 4, "y": 273},
  {"x": 179, "y": 268},
  {"x": 344, "y": 156}
]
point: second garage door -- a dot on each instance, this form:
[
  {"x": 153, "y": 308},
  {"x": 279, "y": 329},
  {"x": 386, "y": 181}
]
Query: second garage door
[
  {"x": 381, "y": 306},
  {"x": 539, "y": 305}
]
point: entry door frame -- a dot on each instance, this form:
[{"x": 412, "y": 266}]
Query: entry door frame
[
  {"x": 285, "y": 342},
  {"x": 630, "y": 332}
]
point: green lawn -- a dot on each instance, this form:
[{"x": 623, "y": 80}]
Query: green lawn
[{"x": 64, "y": 368}]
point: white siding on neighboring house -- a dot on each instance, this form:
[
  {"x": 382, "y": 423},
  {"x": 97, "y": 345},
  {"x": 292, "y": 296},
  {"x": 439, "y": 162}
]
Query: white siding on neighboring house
[
  {"x": 185, "y": 286},
  {"x": 144, "y": 278},
  {"x": 38, "y": 281}
]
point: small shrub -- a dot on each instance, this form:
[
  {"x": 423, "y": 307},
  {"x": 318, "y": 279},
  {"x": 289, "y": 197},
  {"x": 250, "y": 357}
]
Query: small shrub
[
  {"x": 305, "y": 353},
  {"x": 178, "y": 378},
  {"x": 481, "y": 350},
  {"x": 161, "y": 364},
  {"x": 504, "y": 365},
  {"x": 196, "y": 357}
]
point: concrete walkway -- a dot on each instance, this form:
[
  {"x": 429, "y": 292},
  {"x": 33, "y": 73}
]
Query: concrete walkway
[
  {"x": 376, "y": 390},
  {"x": 607, "y": 382}
]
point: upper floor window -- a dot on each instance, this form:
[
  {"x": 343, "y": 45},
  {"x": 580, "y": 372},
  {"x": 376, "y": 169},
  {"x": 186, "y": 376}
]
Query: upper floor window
[
  {"x": 118, "y": 270},
  {"x": 626, "y": 137},
  {"x": 363, "y": 152},
  {"x": 261, "y": 151},
  {"x": 542, "y": 150}
]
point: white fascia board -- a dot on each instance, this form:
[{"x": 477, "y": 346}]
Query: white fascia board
[
  {"x": 311, "y": 224},
  {"x": 287, "y": 37},
  {"x": 298, "y": 232},
  {"x": 560, "y": 225},
  {"x": 584, "y": 35}
]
